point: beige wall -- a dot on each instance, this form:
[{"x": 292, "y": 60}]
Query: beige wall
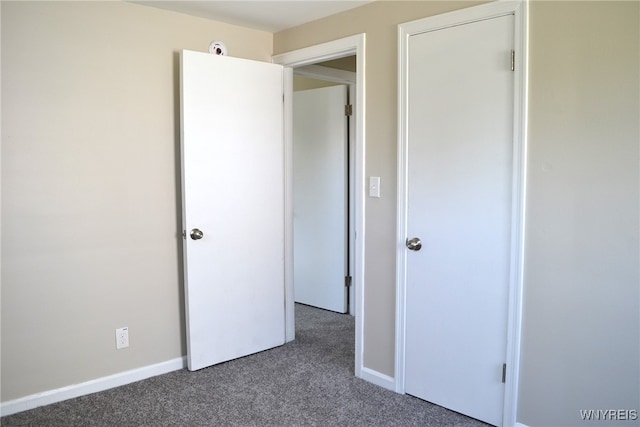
[
  {"x": 581, "y": 301},
  {"x": 581, "y": 333},
  {"x": 90, "y": 203},
  {"x": 304, "y": 83}
]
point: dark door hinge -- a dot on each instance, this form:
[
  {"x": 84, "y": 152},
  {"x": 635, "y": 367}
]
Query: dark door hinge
[
  {"x": 347, "y": 281},
  {"x": 504, "y": 373},
  {"x": 513, "y": 60},
  {"x": 348, "y": 110}
]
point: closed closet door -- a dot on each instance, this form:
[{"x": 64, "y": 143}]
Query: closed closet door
[{"x": 460, "y": 150}]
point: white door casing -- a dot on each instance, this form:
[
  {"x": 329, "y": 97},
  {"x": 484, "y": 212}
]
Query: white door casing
[
  {"x": 472, "y": 210},
  {"x": 320, "y": 197},
  {"x": 233, "y": 191},
  {"x": 352, "y": 45}
]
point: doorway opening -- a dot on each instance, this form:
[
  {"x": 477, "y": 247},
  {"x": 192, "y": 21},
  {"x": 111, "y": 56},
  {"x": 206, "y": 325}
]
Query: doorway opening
[
  {"x": 323, "y": 132},
  {"x": 300, "y": 60}
]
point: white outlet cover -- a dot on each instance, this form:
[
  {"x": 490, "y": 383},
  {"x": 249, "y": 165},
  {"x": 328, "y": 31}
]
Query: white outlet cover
[{"x": 122, "y": 338}]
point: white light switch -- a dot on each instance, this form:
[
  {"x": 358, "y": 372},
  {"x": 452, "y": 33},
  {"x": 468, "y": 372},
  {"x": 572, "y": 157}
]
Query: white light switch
[{"x": 374, "y": 186}]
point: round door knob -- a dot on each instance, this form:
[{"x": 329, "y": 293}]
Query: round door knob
[
  {"x": 414, "y": 244},
  {"x": 196, "y": 234}
]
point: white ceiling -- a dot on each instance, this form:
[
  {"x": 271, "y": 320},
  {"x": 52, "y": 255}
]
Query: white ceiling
[{"x": 266, "y": 15}]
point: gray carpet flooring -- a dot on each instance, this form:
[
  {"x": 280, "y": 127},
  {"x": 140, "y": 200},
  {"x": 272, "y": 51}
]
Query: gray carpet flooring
[{"x": 308, "y": 382}]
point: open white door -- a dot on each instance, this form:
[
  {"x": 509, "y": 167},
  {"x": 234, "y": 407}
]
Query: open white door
[
  {"x": 233, "y": 206},
  {"x": 320, "y": 197}
]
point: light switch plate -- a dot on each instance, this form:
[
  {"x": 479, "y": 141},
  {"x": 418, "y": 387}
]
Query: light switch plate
[{"x": 374, "y": 186}]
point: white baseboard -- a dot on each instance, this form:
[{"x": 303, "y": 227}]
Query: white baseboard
[
  {"x": 520, "y": 425},
  {"x": 378, "y": 379},
  {"x": 92, "y": 386}
]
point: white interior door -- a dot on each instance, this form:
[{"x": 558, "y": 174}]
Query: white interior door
[
  {"x": 233, "y": 193},
  {"x": 460, "y": 143},
  {"x": 320, "y": 197}
]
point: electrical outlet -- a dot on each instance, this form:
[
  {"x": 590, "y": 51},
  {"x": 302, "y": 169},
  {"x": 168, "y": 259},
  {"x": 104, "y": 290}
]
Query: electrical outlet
[{"x": 122, "y": 338}]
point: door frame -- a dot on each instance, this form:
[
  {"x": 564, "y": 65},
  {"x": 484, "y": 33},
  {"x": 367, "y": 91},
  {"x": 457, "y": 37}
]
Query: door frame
[
  {"x": 517, "y": 8},
  {"x": 352, "y": 45}
]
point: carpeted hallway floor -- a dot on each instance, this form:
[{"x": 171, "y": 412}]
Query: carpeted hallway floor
[{"x": 309, "y": 382}]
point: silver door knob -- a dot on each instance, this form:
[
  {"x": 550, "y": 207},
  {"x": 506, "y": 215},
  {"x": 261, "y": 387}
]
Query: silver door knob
[
  {"x": 414, "y": 244},
  {"x": 196, "y": 234}
]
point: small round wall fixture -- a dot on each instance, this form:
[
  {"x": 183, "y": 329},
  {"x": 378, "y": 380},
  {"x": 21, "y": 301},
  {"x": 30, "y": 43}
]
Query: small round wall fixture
[{"x": 218, "y": 48}]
